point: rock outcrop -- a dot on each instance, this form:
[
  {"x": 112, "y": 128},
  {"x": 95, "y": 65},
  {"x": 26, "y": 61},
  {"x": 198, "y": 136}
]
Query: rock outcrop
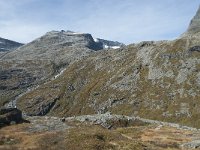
[{"x": 10, "y": 115}]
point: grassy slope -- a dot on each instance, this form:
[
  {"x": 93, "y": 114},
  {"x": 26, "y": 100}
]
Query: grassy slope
[{"x": 94, "y": 137}]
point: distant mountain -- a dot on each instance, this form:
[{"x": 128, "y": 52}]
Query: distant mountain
[{"x": 6, "y": 45}]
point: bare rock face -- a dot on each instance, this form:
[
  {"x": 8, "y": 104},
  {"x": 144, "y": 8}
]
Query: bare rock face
[
  {"x": 9, "y": 115},
  {"x": 194, "y": 26}
]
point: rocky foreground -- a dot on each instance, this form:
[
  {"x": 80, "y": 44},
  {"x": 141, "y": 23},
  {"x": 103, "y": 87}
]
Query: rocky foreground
[{"x": 103, "y": 131}]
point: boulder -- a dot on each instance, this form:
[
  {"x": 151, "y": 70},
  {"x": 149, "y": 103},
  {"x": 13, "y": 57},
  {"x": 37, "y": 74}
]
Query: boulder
[{"x": 10, "y": 115}]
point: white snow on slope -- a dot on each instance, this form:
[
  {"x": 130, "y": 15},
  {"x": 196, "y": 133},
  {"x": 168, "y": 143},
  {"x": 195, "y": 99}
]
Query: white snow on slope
[
  {"x": 115, "y": 47},
  {"x": 96, "y": 40},
  {"x": 61, "y": 72}
]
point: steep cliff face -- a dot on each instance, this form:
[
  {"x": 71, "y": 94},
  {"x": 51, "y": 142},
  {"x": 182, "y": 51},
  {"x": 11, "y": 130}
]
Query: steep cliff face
[{"x": 158, "y": 80}]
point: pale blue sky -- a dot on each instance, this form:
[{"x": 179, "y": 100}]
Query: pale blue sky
[{"x": 126, "y": 21}]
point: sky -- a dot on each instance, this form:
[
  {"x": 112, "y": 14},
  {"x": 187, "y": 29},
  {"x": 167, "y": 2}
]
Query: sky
[{"x": 127, "y": 21}]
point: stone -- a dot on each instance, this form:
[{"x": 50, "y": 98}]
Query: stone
[
  {"x": 62, "y": 119},
  {"x": 10, "y": 116}
]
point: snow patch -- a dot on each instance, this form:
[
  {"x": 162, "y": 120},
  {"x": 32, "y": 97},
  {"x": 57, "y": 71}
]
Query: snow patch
[
  {"x": 61, "y": 72},
  {"x": 96, "y": 40},
  {"x": 76, "y": 33},
  {"x": 106, "y": 46},
  {"x": 115, "y": 47}
]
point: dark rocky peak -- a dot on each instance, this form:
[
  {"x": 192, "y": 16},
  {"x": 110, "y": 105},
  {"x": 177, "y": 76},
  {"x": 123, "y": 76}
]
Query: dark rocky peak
[
  {"x": 194, "y": 26},
  {"x": 6, "y": 45}
]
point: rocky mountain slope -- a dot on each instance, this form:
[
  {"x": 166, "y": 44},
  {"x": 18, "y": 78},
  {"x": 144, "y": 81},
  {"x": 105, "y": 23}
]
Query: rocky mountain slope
[
  {"x": 157, "y": 80},
  {"x": 41, "y": 60}
]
